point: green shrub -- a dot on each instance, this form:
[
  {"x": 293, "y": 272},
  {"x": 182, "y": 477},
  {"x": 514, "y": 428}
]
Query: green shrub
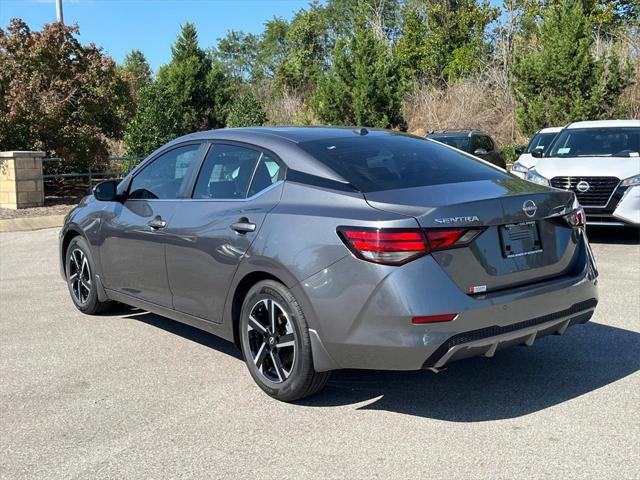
[
  {"x": 509, "y": 152},
  {"x": 246, "y": 111}
]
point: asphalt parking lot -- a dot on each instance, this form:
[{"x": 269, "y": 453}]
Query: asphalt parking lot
[{"x": 133, "y": 395}]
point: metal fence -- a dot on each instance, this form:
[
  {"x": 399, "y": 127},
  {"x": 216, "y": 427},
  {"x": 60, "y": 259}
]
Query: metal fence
[{"x": 56, "y": 172}]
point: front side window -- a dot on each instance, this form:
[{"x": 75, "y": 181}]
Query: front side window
[
  {"x": 383, "y": 162},
  {"x": 163, "y": 177},
  {"x": 597, "y": 142},
  {"x": 226, "y": 172},
  {"x": 540, "y": 141}
]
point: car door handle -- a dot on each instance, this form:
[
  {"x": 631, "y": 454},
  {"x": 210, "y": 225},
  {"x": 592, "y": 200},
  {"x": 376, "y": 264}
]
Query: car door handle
[
  {"x": 243, "y": 226},
  {"x": 157, "y": 223}
]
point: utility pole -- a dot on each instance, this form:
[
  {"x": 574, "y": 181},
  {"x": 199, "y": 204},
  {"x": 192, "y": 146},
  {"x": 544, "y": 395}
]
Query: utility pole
[{"x": 59, "y": 15}]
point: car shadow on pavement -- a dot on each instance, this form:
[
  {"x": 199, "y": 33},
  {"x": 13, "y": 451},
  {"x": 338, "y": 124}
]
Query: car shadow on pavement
[
  {"x": 613, "y": 235},
  {"x": 516, "y": 382},
  {"x": 185, "y": 331}
]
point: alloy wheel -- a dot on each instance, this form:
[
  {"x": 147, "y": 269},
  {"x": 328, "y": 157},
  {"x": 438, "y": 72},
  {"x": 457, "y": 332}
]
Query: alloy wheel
[
  {"x": 272, "y": 340},
  {"x": 79, "y": 276}
]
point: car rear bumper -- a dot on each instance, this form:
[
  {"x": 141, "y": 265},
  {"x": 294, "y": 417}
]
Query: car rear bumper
[
  {"x": 367, "y": 324},
  {"x": 487, "y": 341}
]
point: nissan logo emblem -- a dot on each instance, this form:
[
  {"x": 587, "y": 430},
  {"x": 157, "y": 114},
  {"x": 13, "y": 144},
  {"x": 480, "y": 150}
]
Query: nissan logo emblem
[
  {"x": 529, "y": 208},
  {"x": 583, "y": 186}
]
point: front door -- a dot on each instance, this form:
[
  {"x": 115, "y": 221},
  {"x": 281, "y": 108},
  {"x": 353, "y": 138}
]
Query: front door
[
  {"x": 210, "y": 233},
  {"x": 133, "y": 251}
]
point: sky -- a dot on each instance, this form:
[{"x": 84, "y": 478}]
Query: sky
[{"x": 150, "y": 25}]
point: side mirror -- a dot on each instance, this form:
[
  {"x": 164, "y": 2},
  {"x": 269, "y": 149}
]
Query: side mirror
[
  {"x": 480, "y": 151},
  {"x": 537, "y": 153},
  {"x": 106, "y": 191},
  {"x": 519, "y": 150}
]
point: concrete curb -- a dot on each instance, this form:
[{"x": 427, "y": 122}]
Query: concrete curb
[{"x": 30, "y": 223}]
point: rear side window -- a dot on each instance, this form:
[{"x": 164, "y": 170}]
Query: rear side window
[
  {"x": 374, "y": 163},
  {"x": 226, "y": 172},
  {"x": 485, "y": 142},
  {"x": 267, "y": 173},
  {"x": 461, "y": 143}
]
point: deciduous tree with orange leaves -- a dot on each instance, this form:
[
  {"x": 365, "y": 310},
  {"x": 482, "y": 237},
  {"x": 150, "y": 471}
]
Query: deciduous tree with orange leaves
[{"x": 58, "y": 95}]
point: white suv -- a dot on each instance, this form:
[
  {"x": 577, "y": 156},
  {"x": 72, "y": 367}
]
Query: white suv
[
  {"x": 538, "y": 143},
  {"x": 600, "y": 162}
]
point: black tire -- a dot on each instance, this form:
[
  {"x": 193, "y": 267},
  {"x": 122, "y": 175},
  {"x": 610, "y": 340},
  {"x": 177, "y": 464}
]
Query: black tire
[
  {"x": 301, "y": 380},
  {"x": 83, "y": 294}
]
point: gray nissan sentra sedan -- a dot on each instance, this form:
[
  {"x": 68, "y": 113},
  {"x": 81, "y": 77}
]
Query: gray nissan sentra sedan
[{"x": 315, "y": 249}]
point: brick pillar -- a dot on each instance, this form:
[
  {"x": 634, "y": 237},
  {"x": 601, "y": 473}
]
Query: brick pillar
[{"x": 21, "y": 184}]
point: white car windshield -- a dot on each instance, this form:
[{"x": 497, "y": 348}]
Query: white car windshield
[{"x": 597, "y": 142}]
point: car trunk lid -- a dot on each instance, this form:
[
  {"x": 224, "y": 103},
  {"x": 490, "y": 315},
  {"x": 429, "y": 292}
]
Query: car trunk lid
[{"x": 513, "y": 214}]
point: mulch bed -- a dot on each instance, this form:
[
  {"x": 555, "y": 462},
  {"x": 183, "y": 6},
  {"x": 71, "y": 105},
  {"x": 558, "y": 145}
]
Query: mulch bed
[{"x": 52, "y": 206}]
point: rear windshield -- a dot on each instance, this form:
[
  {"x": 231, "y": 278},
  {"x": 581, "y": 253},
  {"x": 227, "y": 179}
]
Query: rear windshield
[
  {"x": 597, "y": 142},
  {"x": 374, "y": 163},
  {"x": 461, "y": 143},
  {"x": 540, "y": 141}
]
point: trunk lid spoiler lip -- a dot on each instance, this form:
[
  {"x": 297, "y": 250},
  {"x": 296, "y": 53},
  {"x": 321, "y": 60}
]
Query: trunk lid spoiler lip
[{"x": 473, "y": 204}]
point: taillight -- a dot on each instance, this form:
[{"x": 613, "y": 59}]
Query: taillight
[
  {"x": 576, "y": 219},
  {"x": 390, "y": 246},
  {"x": 394, "y": 246},
  {"x": 444, "y": 238}
]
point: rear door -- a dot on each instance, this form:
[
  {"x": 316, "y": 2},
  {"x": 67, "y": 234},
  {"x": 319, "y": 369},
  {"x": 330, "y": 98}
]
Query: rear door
[
  {"x": 133, "y": 251},
  {"x": 210, "y": 232}
]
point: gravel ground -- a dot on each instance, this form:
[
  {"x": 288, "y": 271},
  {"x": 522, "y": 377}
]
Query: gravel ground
[{"x": 133, "y": 395}]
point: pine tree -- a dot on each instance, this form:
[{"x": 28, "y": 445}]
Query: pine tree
[
  {"x": 442, "y": 41},
  {"x": 136, "y": 72},
  {"x": 186, "y": 45},
  {"x": 363, "y": 85},
  {"x": 191, "y": 93},
  {"x": 561, "y": 81},
  {"x": 411, "y": 49}
]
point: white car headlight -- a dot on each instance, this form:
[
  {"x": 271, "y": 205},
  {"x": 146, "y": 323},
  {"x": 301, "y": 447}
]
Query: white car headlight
[
  {"x": 516, "y": 167},
  {"x": 631, "y": 181},
  {"x": 535, "y": 177}
]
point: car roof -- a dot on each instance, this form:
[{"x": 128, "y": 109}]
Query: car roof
[
  {"x": 290, "y": 134},
  {"x": 283, "y": 142},
  {"x": 550, "y": 130},
  {"x": 604, "y": 124},
  {"x": 455, "y": 133}
]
